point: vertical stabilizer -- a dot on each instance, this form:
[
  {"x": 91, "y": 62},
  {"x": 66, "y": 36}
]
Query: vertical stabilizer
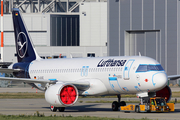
[{"x": 24, "y": 47}]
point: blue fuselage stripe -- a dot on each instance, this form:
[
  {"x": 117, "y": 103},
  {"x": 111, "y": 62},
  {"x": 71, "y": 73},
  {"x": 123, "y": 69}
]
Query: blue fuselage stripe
[
  {"x": 113, "y": 78},
  {"x": 52, "y": 79}
]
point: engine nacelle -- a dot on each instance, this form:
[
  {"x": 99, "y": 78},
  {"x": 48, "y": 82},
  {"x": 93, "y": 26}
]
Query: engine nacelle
[
  {"x": 61, "y": 95},
  {"x": 165, "y": 92}
]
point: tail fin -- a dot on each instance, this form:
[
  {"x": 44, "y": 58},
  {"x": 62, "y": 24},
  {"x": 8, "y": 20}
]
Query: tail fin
[{"x": 24, "y": 47}]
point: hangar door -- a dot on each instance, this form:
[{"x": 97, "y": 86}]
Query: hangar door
[
  {"x": 145, "y": 42},
  {"x": 64, "y": 30}
]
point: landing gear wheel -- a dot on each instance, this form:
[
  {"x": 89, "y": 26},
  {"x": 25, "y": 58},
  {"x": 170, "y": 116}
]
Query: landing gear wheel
[
  {"x": 61, "y": 109},
  {"x": 137, "y": 109},
  {"x": 53, "y": 109},
  {"x": 122, "y": 103},
  {"x": 115, "y": 106}
]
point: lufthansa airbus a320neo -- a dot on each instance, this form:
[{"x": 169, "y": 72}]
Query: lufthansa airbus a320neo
[{"x": 63, "y": 80}]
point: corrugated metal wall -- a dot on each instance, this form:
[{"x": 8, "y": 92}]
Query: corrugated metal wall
[{"x": 158, "y": 22}]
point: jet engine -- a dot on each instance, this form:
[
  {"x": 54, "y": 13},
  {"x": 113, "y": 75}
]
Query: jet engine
[
  {"x": 61, "y": 95},
  {"x": 165, "y": 92}
]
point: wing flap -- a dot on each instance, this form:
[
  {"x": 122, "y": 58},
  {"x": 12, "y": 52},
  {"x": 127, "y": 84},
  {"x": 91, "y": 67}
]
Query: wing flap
[{"x": 81, "y": 85}]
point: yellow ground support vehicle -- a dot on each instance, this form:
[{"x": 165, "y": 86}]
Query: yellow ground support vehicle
[{"x": 153, "y": 105}]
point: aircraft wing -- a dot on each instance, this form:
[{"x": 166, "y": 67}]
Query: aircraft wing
[
  {"x": 27, "y": 80},
  {"x": 6, "y": 70},
  {"x": 81, "y": 85},
  {"x": 173, "y": 77}
]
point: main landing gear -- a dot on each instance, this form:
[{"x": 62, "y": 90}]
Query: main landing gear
[
  {"x": 116, "y": 105},
  {"x": 54, "y": 109}
]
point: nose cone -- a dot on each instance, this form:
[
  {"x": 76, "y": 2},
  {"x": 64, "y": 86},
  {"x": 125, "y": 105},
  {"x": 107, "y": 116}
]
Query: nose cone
[{"x": 159, "y": 80}]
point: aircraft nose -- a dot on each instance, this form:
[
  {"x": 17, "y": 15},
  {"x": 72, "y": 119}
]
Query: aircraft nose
[{"x": 159, "y": 80}]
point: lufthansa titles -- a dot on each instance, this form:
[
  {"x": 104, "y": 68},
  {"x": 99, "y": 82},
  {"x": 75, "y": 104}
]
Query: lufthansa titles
[{"x": 111, "y": 63}]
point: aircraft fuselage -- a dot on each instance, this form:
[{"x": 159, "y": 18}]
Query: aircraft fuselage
[{"x": 119, "y": 74}]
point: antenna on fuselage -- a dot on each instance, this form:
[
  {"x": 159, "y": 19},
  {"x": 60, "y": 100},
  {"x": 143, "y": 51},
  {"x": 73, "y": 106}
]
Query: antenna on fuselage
[{"x": 139, "y": 54}]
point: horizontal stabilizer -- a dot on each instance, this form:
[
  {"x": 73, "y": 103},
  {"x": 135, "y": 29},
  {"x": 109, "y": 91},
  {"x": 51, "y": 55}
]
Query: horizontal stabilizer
[{"x": 6, "y": 70}]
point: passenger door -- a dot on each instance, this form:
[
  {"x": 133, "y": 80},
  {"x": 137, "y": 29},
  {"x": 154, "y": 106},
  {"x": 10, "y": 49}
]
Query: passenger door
[{"x": 127, "y": 68}]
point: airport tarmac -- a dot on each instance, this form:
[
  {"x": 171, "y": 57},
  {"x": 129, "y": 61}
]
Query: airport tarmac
[{"x": 30, "y": 106}]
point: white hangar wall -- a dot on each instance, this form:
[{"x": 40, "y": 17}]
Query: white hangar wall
[
  {"x": 37, "y": 25},
  {"x": 38, "y": 30},
  {"x": 93, "y": 24}
]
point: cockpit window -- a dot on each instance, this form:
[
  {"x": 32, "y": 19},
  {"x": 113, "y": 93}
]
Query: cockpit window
[{"x": 146, "y": 68}]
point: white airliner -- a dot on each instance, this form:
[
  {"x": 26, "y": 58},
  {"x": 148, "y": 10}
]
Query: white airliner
[{"x": 63, "y": 80}]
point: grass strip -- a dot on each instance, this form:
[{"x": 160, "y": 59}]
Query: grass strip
[
  {"x": 26, "y": 95},
  {"x": 21, "y": 95},
  {"x": 39, "y": 116}
]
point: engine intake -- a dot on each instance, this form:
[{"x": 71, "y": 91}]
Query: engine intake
[
  {"x": 61, "y": 95},
  {"x": 165, "y": 92}
]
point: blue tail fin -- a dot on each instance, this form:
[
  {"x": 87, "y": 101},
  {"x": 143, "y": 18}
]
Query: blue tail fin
[{"x": 24, "y": 47}]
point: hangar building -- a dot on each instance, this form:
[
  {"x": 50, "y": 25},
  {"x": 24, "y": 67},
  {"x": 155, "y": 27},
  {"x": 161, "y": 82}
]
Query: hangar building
[
  {"x": 59, "y": 28},
  {"x": 151, "y": 27}
]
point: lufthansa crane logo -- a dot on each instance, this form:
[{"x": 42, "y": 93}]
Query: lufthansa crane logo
[{"x": 22, "y": 44}]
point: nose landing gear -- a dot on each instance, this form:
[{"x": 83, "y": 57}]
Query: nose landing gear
[{"x": 116, "y": 105}]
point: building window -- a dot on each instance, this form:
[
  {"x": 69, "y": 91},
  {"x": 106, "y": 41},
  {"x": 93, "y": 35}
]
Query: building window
[{"x": 91, "y": 55}]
